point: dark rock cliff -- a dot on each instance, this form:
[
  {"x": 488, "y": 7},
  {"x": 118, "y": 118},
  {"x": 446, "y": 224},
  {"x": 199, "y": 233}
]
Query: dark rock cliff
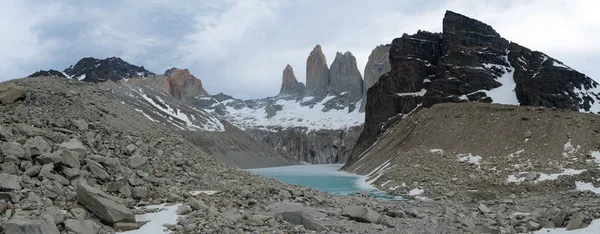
[{"x": 469, "y": 61}]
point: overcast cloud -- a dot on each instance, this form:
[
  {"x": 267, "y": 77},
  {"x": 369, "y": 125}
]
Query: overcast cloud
[{"x": 240, "y": 47}]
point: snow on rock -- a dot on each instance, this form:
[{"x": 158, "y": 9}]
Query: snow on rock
[
  {"x": 544, "y": 176},
  {"x": 146, "y": 115},
  {"x": 416, "y": 192},
  {"x": 504, "y": 94},
  {"x": 293, "y": 114},
  {"x": 582, "y": 186},
  {"x": 378, "y": 171},
  {"x": 167, "y": 215},
  {"x": 596, "y": 156},
  {"x": 559, "y": 64},
  {"x": 569, "y": 149},
  {"x": 81, "y": 77},
  {"x": 420, "y": 93},
  {"x": 469, "y": 158},
  {"x": 207, "y": 192},
  {"x": 593, "y": 228},
  {"x": 212, "y": 124}
]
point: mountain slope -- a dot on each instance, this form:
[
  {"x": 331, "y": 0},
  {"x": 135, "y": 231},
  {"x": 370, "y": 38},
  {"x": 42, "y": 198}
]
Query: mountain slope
[{"x": 469, "y": 61}]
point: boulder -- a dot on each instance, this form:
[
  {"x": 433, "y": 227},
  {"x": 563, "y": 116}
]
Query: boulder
[
  {"x": 136, "y": 161},
  {"x": 46, "y": 158},
  {"x": 81, "y": 226},
  {"x": 139, "y": 192},
  {"x": 46, "y": 172},
  {"x": 12, "y": 148},
  {"x": 28, "y": 226},
  {"x": 197, "y": 204},
  {"x": 9, "y": 182},
  {"x": 70, "y": 158},
  {"x": 123, "y": 227},
  {"x": 37, "y": 146},
  {"x": 576, "y": 222},
  {"x": 81, "y": 124},
  {"x": 184, "y": 210},
  {"x": 302, "y": 218},
  {"x": 10, "y": 93},
  {"x": 108, "y": 208},
  {"x": 97, "y": 170},
  {"x": 361, "y": 214},
  {"x": 33, "y": 171},
  {"x": 74, "y": 145}
]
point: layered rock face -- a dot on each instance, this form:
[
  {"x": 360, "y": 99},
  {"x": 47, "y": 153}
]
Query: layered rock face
[
  {"x": 377, "y": 65},
  {"x": 345, "y": 77},
  {"x": 49, "y": 73},
  {"x": 317, "y": 74},
  {"x": 99, "y": 70},
  {"x": 182, "y": 85},
  {"x": 324, "y": 146},
  {"x": 469, "y": 61},
  {"x": 290, "y": 87}
]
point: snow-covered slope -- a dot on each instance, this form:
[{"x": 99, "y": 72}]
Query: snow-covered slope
[{"x": 277, "y": 113}]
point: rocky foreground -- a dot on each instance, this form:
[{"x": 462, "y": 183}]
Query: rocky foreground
[{"x": 76, "y": 159}]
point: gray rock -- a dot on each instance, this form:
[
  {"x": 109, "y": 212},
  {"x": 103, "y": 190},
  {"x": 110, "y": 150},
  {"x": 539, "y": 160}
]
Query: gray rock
[
  {"x": 302, "y": 218},
  {"x": 528, "y": 134},
  {"x": 184, "y": 210},
  {"x": 108, "y": 208},
  {"x": 130, "y": 149},
  {"x": 136, "y": 161},
  {"x": 81, "y": 124},
  {"x": 361, "y": 214},
  {"x": 74, "y": 145},
  {"x": 46, "y": 172},
  {"x": 232, "y": 215},
  {"x": 576, "y": 222},
  {"x": 97, "y": 170},
  {"x": 172, "y": 197},
  {"x": 123, "y": 227},
  {"x": 37, "y": 146},
  {"x": 531, "y": 176},
  {"x": 126, "y": 191},
  {"x": 140, "y": 192},
  {"x": 345, "y": 77},
  {"x": 377, "y": 65},
  {"x": 533, "y": 226},
  {"x": 29, "y": 130},
  {"x": 70, "y": 159},
  {"x": 9, "y": 167},
  {"x": 559, "y": 218},
  {"x": 12, "y": 148},
  {"x": 284, "y": 193},
  {"x": 10, "y": 93},
  {"x": 33, "y": 171},
  {"x": 9, "y": 182},
  {"x": 81, "y": 226},
  {"x": 46, "y": 158},
  {"x": 197, "y": 204},
  {"x": 483, "y": 208},
  {"x": 396, "y": 213},
  {"x": 317, "y": 74},
  {"x": 21, "y": 225},
  {"x": 78, "y": 213},
  {"x": 70, "y": 173}
]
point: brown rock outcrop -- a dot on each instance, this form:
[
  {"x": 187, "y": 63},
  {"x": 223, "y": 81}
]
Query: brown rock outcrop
[
  {"x": 345, "y": 77},
  {"x": 289, "y": 85}
]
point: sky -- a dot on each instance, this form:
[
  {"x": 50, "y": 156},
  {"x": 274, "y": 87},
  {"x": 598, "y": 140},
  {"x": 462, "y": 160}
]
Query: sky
[{"x": 240, "y": 47}]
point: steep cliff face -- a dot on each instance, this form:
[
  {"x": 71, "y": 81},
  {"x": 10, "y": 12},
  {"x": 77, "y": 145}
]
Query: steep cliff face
[
  {"x": 469, "y": 61},
  {"x": 290, "y": 87},
  {"x": 100, "y": 70},
  {"x": 345, "y": 77},
  {"x": 377, "y": 65},
  {"x": 323, "y": 146},
  {"x": 317, "y": 74}
]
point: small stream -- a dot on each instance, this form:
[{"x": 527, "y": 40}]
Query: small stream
[{"x": 324, "y": 177}]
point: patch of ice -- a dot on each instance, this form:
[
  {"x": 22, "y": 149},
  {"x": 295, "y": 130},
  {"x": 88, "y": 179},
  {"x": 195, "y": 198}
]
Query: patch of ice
[
  {"x": 469, "y": 158},
  {"x": 416, "y": 192},
  {"x": 207, "y": 192},
  {"x": 167, "y": 215},
  {"x": 505, "y": 94},
  {"x": 420, "y": 93},
  {"x": 596, "y": 156},
  {"x": 593, "y": 228},
  {"x": 582, "y": 186},
  {"x": 544, "y": 176}
]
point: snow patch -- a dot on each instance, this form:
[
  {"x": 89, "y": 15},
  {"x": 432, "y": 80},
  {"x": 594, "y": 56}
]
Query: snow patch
[
  {"x": 582, "y": 186},
  {"x": 436, "y": 151},
  {"x": 146, "y": 115},
  {"x": 544, "y": 176},
  {"x": 569, "y": 150},
  {"x": 212, "y": 124},
  {"x": 207, "y": 192},
  {"x": 559, "y": 64},
  {"x": 420, "y": 93},
  {"x": 505, "y": 94},
  {"x": 167, "y": 215},
  {"x": 81, "y": 77},
  {"x": 593, "y": 228},
  {"x": 415, "y": 192},
  {"x": 469, "y": 158}
]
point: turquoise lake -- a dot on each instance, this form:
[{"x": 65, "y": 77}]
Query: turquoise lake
[{"x": 324, "y": 177}]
